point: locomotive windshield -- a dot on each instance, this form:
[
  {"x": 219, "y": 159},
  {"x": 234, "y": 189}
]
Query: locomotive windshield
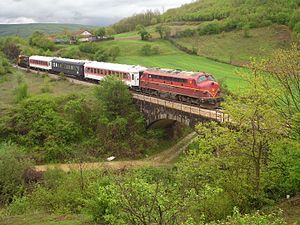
[{"x": 204, "y": 78}]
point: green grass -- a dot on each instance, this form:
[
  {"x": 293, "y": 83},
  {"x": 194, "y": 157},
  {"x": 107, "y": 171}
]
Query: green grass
[
  {"x": 127, "y": 35},
  {"x": 45, "y": 219},
  {"x": 235, "y": 48},
  {"x": 171, "y": 57},
  {"x": 35, "y": 82}
]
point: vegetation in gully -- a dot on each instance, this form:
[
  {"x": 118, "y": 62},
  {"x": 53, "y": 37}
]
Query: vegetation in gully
[{"x": 234, "y": 173}]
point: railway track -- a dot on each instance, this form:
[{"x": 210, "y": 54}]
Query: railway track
[{"x": 214, "y": 114}]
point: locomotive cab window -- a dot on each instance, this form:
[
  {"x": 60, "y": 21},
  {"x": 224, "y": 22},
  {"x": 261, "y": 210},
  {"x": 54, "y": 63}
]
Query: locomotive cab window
[{"x": 204, "y": 78}]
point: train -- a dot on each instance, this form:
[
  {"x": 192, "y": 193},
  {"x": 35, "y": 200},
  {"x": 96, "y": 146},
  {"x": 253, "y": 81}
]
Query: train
[{"x": 195, "y": 88}]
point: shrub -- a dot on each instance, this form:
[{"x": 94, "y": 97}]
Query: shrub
[
  {"x": 13, "y": 165},
  {"x": 210, "y": 28},
  {"x": 297, "y": 28},
  {"x": 149, "y": 50},
  {"x": 186, "y": 33},
  {"x": 21, "y": 92},
  {"x": 246, "y": 32},
  {"x": 37, "y": 124},
  {"x": 38, "y": 39},
  {"x": 101, "y": 55},
  {"x": 89, "y": 47},
  {"x": 4, "y": 66}
]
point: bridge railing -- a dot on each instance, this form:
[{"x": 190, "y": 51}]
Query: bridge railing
[{"x": 217, "y": 115}]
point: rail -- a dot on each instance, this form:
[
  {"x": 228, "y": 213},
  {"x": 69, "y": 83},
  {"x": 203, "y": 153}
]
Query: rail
[{"x": 216, "y": 115}]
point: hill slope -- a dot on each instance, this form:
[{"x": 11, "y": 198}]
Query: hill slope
[
  {"x": 236, "y": 13},
  {"x": 25, "y": 30}
]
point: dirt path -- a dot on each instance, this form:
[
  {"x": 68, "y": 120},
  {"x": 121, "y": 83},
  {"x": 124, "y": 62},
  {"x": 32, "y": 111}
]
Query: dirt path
[{"x": 161, "y": 159}]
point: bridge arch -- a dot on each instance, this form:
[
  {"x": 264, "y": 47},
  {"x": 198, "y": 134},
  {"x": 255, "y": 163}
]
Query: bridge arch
[{"x": 160, "y": 111}]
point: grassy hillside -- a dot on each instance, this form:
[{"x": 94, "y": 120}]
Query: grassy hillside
[
  {"x": 36, "y": 83},
  {"x": 25, "y": 30},
  {"x": 233, "y": 47},
  {"x": 236, "y": 13},
  {"x": 169, "y": 57}
]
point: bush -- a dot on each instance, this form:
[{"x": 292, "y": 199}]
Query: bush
[
  {"x": 37, "y": 124},
  {"x": 210, "y": 28},
  {"x": 21, "y": 92},
  {"x": 4, "y": 66},
  {"x": 13, "y": 165},
  {"x": 186, "y": 33},
  {"x": 150, "y": 50},
  {"x": 89, "y": 47},
  {"x": 297, "y": 28},
  {"x": 101, "y": 55},
  {"x": 38, "y": 39}
]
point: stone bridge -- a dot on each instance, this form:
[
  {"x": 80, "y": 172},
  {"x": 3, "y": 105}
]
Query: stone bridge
[{"x": 160, "y": 113}]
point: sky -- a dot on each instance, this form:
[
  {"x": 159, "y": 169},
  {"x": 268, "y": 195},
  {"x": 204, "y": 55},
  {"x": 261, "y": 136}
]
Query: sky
[{"x": 89, "y": 12}]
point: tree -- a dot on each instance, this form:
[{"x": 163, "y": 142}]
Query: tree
[
  {"x": 114, "y": 52},
  {"x": 145, "y": 35},
  {"x": 283, "y": 68},
  {"x": 38, "y": 39},
  {"x": 164, "y": 31},
  {"x": 101, "y": 55},
  {"x": 160, "y": 29},
  {"x": 110, "y": 31},
  {"x": 100, "y": 32},
  {"x": 11, "y": 50},
  {"x": 135, "y": 200},
  {"x": 37, "y": 125},
  {"x": 121, "y": 125},
  {"x": 146, "y": 50},
  {"x": 13, "y": 165}
]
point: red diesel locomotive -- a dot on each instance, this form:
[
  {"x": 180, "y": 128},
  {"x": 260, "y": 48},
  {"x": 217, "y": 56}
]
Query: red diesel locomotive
[{"x": 192, "y": 87}]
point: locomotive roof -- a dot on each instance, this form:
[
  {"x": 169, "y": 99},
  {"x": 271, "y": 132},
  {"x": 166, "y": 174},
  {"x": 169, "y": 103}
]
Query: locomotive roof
[
  {"x": 38, "y": 57},
  {"x": 115, "y": 67},
  {"x": 175, "y": 73}
]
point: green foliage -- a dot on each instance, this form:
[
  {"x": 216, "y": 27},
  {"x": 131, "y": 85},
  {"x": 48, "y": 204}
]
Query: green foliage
[
  {"x": 11, "y": 50},
  {"x": 295, "y": 18},
  {"x": 114, "y": 52},
  {"x": 4, "y": 66},
  {"x": 46, "y": 88},
  {"x": 72, "y": 52},
  {"x": 210, "y": 28},
  {"x": 186, "y": 33},
  {"x": 37, "y": 124},
  {"x": 21, "y": 91},
  {"x": 236, "y": 14},
  {"x": 89, "y": 47},
  {"x": 101, "y": 55},
  {"x": 38, "y": 39},
  {"x": 164, "y": 31},
  {"x": 13, "y": 165},
  {"x": 145, "y": 35},
  {"x": 136, "y": 201},
  {"x": 100, "y": 31},
  {"x": 121, "y": 125},
  {"x": 129, "y": 24},
  {"x": 246, "y": 31},
  {"x": 253, "y": 219},
  {"x": 297, "y": 28},
  {"x": 150, "y": 50}
]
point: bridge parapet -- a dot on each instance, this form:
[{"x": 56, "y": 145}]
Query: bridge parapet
[{"x": 172, "y": 110}]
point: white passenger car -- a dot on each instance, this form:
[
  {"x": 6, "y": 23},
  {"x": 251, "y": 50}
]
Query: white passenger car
[
  {"x": 128, "y": 73},
  {"x": 41, "y": 62}
]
